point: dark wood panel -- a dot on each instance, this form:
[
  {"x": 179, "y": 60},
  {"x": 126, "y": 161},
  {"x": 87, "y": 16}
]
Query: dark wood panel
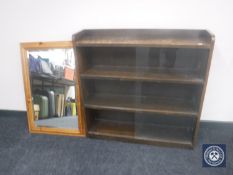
[
  {"x": 113, "y": 128},
  {"x": 164, "y": 133},
  {"x": 144, "y": 37},
  {"x": 144, "y": 86}
]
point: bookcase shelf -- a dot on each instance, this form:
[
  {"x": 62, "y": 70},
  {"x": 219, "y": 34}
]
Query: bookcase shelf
[
  {"x": 128, "y": 103},
  {"x": 142, "y": 75},
  {"x": 143, "y": 86}
]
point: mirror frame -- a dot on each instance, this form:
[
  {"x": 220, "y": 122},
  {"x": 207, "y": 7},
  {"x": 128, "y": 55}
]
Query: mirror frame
[{"x": 27, "y": 46}]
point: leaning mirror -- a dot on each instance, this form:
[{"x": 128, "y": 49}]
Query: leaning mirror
[{"x": 51, "y": 88}]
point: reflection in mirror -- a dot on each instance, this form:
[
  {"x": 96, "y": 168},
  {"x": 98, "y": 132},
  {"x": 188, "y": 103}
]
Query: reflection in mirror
[{"x": 53, "y": 88}]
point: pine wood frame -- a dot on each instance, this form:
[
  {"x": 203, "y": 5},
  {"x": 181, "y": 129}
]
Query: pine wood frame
[{"x": 27, "y": 46}]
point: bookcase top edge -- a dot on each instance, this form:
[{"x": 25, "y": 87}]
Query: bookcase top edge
[{"x": 147, "y": 37}]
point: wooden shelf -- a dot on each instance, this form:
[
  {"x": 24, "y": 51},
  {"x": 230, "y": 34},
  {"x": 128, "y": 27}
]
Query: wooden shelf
[
  {"x": 156, "y": 75},
  {"x": 51, "y": 79},
  {"x": 141, "y": 37},
  {"x": 136, "y": 104},
  {"x": 151, "y": 134}
]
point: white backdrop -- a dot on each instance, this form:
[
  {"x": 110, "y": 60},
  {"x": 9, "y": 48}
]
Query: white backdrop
[{"x": 52, "y": 20}]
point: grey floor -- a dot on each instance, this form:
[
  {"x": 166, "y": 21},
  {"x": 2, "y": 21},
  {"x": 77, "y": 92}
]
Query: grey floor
[
  {"x": 70, "y": 122},
  {"x": 24, "y": 154}
]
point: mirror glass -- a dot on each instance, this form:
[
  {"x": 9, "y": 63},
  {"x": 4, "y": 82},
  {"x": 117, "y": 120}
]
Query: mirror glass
[{"x": 53, "y": 87}]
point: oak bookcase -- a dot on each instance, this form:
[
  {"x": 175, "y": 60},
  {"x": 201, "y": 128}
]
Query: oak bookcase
[{"x": 143, "y": 85}]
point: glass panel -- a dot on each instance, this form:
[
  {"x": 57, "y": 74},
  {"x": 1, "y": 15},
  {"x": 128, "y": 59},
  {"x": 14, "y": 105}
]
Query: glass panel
[
  {"x": 173, "y": 64},
  {"x": 143, "y": 93},
  {"x": 142, "y": 126},
  {"x": 53, "y": 88}
]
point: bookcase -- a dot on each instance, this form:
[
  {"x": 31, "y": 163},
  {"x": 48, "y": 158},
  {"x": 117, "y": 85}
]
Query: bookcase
[{"x": 143, "y": 85}]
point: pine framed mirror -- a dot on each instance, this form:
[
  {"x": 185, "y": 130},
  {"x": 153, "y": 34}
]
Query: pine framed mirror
[{"x": 52, "y": 88}]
